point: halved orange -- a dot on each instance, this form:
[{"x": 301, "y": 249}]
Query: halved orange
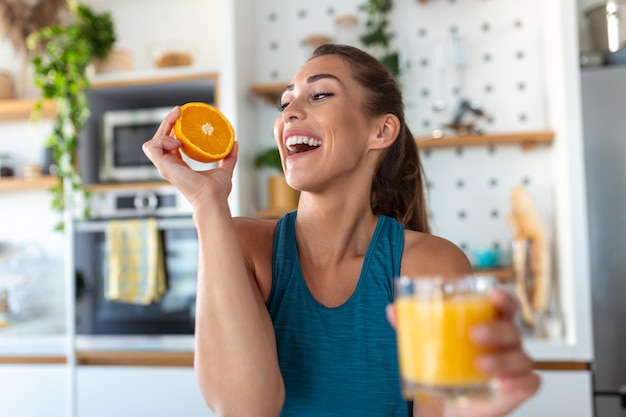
[{"x": 205, "y": 133}]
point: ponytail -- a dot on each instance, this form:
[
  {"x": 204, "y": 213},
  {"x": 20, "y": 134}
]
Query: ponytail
[{"x": 398, "y": 185}]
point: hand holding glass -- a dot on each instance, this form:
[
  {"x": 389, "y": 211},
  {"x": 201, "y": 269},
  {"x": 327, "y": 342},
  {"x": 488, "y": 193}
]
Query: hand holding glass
[{"x": 435, "y": 315}]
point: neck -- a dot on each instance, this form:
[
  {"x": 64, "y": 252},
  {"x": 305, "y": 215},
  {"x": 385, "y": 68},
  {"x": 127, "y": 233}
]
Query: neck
[{"x": 329, "y": 230}]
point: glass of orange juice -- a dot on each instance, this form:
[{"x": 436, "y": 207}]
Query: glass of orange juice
[{"x": 434, "y": 317}]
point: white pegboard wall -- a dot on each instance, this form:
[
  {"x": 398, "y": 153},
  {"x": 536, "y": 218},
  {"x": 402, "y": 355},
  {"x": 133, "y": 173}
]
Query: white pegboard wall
[
  {"x": 501, "y": 68},
  {"x": 469, "y": 191},
  {"x": 284, "y": 26},
  {"x": 470, "y": 187},
  {"x": 501, "y": 42}
]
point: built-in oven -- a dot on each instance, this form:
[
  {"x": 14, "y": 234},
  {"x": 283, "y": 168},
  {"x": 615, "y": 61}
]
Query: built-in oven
[{"x": 174, "y": 311}]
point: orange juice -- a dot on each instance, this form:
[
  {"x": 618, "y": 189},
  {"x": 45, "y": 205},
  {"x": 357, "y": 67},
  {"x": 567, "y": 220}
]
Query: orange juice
[{"x": 434, "y": 343}]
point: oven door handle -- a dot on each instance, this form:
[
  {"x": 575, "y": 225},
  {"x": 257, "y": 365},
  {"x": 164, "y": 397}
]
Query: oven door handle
[{"x": 162, "y": 223}]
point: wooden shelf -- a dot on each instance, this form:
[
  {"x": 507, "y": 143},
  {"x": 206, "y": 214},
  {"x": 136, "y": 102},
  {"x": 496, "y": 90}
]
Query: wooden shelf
[
  {"x": 135, "y": 358},
  {"x": 14, "y": 110},
  {"x": 21, "y": 109},
  {"x": 160, "y": 76},
  {"x": 526, "y": 139},
  {"x": 26, "y": 184},
  {"x": 270, "y": 93},
  {"x": 32, "y": 360},
  {"x": 504, "y": 274}
]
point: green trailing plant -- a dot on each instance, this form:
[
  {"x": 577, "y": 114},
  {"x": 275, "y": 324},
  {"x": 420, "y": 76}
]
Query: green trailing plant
[
  {"x": 60, "y": 56},
  {"x": 378, "y": 36},
  {"x": 269, "y": 158}
]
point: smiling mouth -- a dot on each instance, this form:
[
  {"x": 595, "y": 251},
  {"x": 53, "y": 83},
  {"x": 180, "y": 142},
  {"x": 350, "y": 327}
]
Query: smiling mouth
[{"x": 299, "y": 144}]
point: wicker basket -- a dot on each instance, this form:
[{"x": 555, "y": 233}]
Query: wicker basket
[
  {"x": 172, "y": 53},
  {"x": 118, "y": 60},
  {"x": 7, "y": 87}
]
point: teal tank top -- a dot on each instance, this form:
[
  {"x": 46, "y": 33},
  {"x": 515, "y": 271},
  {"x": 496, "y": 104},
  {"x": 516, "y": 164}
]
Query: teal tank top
[{"x": 339, "y": 361}]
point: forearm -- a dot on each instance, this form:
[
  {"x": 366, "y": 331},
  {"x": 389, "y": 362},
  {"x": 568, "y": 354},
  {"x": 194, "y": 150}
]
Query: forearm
[{"x": 236, "y": 363}]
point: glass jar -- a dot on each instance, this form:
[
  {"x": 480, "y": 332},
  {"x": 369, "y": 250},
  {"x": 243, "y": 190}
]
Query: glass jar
[
  {"x": 347, "y": 30},
  {"x": 7, "y": 165}
]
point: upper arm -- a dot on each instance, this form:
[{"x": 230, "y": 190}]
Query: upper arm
[
  {"x": 426, "y": 254},
  {"x": 256, "y": 238}
]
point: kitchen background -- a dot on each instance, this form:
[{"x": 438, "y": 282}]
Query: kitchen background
[
  {"x": 492, "y": 55},
  {"x": 517, "y": 59}
]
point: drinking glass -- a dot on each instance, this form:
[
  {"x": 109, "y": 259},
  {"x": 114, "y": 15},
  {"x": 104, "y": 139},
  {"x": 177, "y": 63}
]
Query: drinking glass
[{"x": 434, "y": 317}]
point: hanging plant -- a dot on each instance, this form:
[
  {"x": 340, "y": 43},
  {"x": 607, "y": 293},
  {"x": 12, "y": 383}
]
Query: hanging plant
[
  {"x": 269, "y": 158},
  {"x": 377, "y": 36},
  {"x": 20, "y": 18},
  {"x": 61, "y": 55}
]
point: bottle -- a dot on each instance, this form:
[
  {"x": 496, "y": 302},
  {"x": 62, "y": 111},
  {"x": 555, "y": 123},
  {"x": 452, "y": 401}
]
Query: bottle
[{"x": 7, "y": 165}]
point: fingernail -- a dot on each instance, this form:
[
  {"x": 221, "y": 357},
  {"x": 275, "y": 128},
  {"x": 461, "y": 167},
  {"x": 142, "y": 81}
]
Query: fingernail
[
  {"x": 486, "y": 364},
  {"x": 479, "y": 334}
]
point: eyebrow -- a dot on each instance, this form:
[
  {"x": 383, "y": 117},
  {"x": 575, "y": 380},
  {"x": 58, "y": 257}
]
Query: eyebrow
[{"x": 314, "y": 78}]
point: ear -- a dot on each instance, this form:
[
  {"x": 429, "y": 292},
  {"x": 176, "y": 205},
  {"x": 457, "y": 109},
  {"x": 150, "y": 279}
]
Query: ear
[{"x": 387, "y": 131}]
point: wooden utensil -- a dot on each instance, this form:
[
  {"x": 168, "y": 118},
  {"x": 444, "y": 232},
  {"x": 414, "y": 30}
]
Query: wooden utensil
[{"x": 529, "y": 226}]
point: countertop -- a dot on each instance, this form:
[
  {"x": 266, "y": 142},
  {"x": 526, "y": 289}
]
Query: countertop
[{"x": 44, "y": 341}]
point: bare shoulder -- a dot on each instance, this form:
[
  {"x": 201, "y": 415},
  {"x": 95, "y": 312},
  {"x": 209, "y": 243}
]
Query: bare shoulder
[
  {"x": 251, "y": 226},
  {"x": 256, "y": 236},
  {"x": 256, "y": 239},
  {"x": 429, "y": 254}
]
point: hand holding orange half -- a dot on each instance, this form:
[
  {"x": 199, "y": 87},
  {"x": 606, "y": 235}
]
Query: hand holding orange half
[{"x": 205, "y": 133}]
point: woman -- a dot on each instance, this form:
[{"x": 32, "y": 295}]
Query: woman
[{"x": 291, "y": 314}]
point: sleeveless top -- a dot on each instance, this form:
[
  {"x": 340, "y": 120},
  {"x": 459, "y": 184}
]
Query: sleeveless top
[{"x": 339, "y": 361}]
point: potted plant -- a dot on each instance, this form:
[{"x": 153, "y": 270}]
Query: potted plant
[
  {"x": 377, "y": 36},
  {"x": 281, "y": 197},
  {"x": 61, "y": 55}
]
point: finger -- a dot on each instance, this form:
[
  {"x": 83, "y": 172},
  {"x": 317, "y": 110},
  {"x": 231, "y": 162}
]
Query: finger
[
  {"x": 166, "y": 126},
  {"x": 161, "y": 145},
  {"x": 390, "y": 312},
  {"x": 504, "y": 302},
  {"x": 231, "y": 159},
  {"x": 511, "y": 392},
  {"x": 496, "y": 334},
  {"x": 519, "y": 387},
  {"x": 510, "y": 362}
]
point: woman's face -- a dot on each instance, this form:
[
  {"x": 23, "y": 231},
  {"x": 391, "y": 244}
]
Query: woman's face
[{"x": 322, "y": 132}]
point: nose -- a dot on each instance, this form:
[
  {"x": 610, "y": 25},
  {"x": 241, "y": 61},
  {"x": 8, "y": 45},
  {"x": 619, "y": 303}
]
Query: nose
[{"x": 294, "y": 110}]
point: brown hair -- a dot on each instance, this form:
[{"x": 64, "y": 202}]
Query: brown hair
[{"x": 398, "y": 187}]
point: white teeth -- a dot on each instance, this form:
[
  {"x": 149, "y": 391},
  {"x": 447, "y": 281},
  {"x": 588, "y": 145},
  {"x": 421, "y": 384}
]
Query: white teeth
[{"x": 300, "y": 140}]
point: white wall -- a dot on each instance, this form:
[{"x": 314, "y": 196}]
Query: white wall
[{"x": 142, "y": 24}]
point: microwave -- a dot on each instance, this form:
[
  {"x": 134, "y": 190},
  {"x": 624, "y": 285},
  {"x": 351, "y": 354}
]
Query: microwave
[{"x": 122, "y": 136}]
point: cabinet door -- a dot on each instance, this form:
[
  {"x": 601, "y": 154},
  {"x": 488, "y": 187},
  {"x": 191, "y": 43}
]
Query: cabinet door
[
  {"x": 138, "y": 391},
  {"x": 562, "y": 393},
  {"x": 32, "y": 390}
]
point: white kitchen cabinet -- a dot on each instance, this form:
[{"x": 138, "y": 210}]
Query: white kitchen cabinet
[
  {"x": 562, "y": 393},
  {"x": 32, "y": 390},
  {"x": 124, "y": 391}
]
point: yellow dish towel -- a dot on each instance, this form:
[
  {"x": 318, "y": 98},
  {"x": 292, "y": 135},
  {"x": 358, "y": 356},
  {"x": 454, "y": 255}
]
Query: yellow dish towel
[{"x": 135, "y": 271}]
